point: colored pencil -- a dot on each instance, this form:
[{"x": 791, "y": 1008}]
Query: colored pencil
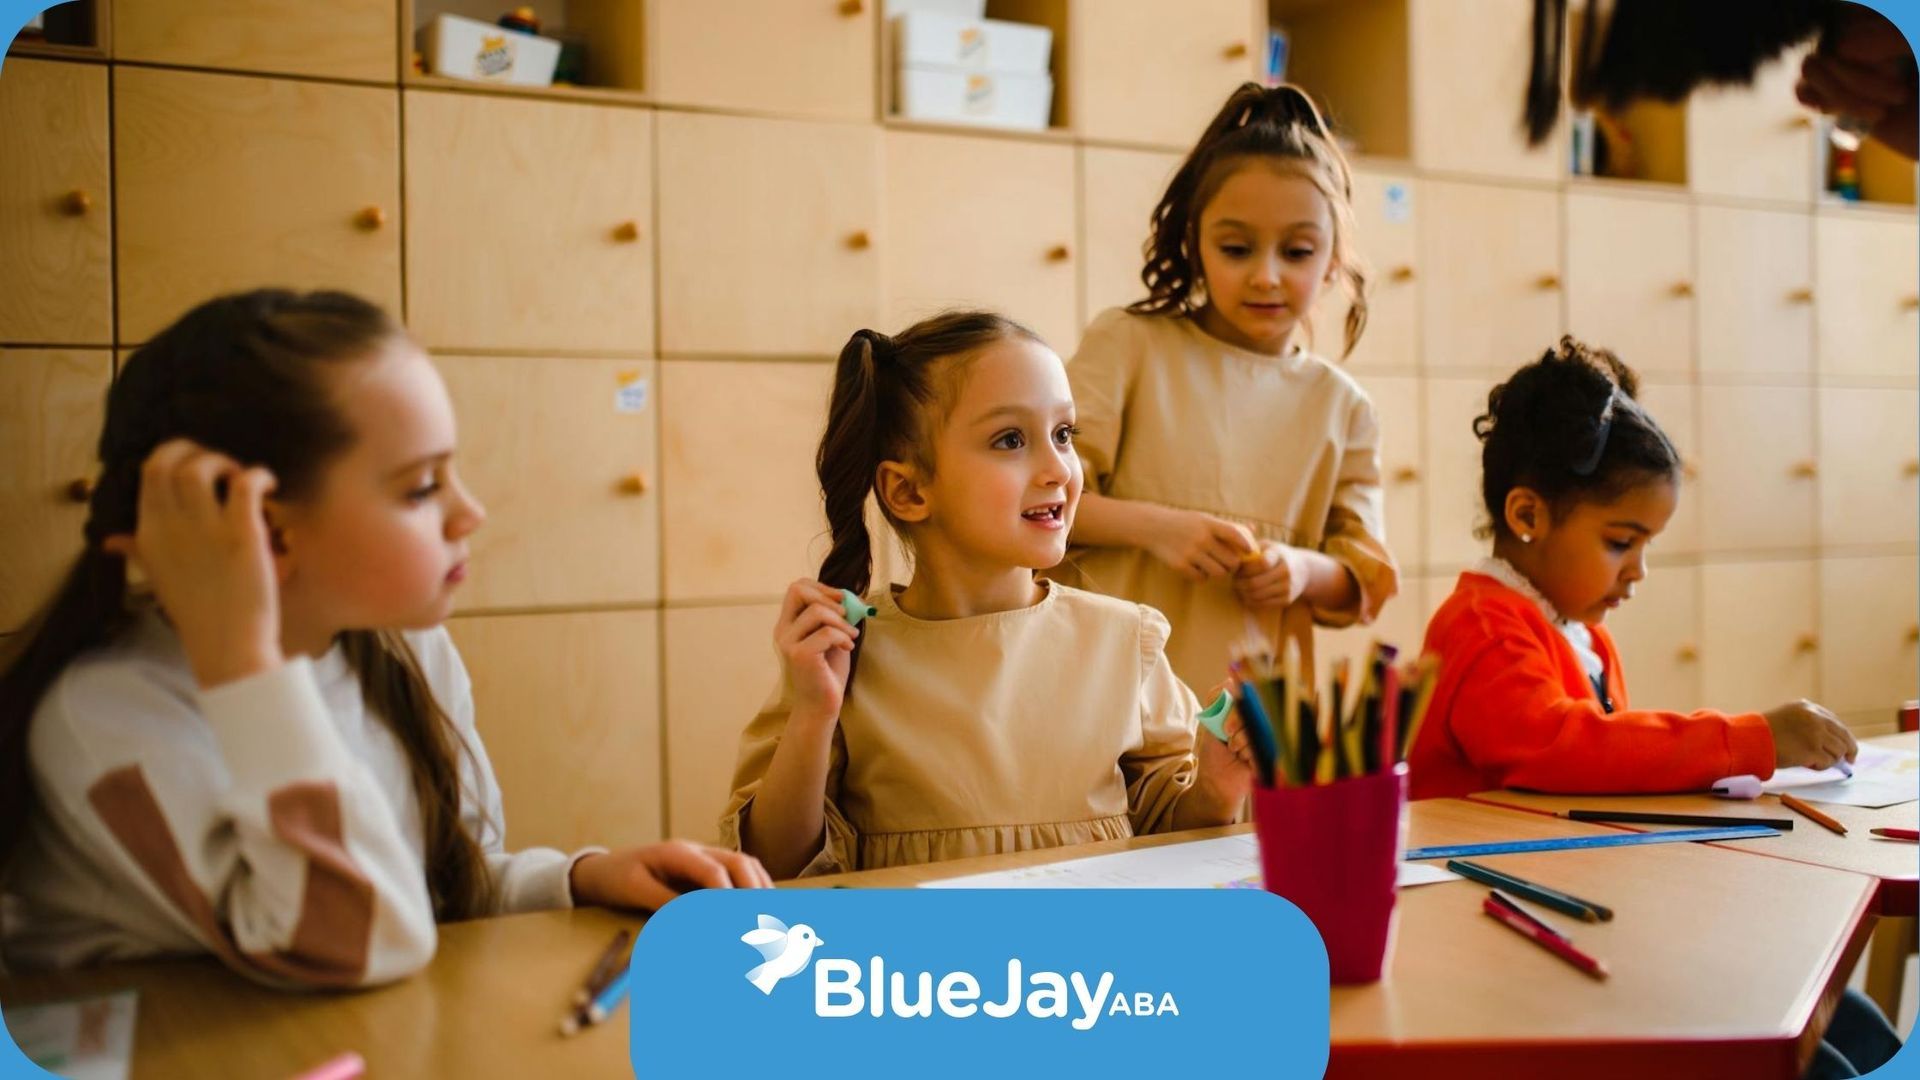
[
  {"x": 1806, "y": 810},
  {"x": 1898, "y": 834},
  {"x": 1566, "y": 903},
  {"x": 1509, "y": 913},
  {"x": 603, "y": 969}
]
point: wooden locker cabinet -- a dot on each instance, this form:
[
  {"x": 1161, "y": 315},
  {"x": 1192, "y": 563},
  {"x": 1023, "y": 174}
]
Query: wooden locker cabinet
[
  {"x": 767, "y": 234},
  {"x": 1760, "y": 644},
  {"x": 1658, "y": 636},
  {"x": 561, "y": 453},
  {"x": 1470, "y": 60},
  {"x": 980, "y": 222},
  {"x": 1453, "y": 502},
  {"x": 721, "y": 668},
  {"x": 741, "y": 513},
  {"x": 1500, "y": 307},
  {"x": 1672, "y": 407},
  {"x": 1396, "y": 400},
  {"x": 51, "y": 404},
  {"x": 341, "y": 39},
  {"x": 229, "y": 182},
  {"x": 1630, "y": 280},
  {"x": 483, "y": 272},
  {"x": 808, "y": 58},
  {"x": 1145, "y": 72},
  {"x": 567, "y": 705},
  {"x": 1868, "y": 308},
  {"x": 1386, "y": 206},
  {"x": 1868, "y": 623},
  {"x": 1756, "y": 292},
  {"x": 1118, "y": 190},
  {"x": 1758, "y": 473},
  {"x": 1869, "y": 467},
  {"x": 56, "y": 205}
]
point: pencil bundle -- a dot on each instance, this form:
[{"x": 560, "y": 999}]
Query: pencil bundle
[{"x": 1366, "y": 722}]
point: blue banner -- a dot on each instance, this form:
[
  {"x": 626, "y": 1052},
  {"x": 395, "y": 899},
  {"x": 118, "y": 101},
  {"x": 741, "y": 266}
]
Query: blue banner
[{"x": 937, "y": 982}]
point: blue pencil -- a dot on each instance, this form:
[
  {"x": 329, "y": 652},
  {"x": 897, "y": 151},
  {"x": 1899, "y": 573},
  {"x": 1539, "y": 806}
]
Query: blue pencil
[
  {"x": 609, "y": 999},
  {"x": 1266, "y": 751}
]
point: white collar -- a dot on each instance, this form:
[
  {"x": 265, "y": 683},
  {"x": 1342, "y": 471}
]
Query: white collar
[{"x": 1506, "y": 574}]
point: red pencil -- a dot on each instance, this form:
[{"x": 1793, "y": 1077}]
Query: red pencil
[
  {"x": 1899, "y": 834},
  {"x": 1541, "y": 934}
]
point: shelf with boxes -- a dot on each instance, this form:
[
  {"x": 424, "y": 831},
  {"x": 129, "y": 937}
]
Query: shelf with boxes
[
  {"x": 973, "y": 63},
  {"x": 580, "y": 49}
]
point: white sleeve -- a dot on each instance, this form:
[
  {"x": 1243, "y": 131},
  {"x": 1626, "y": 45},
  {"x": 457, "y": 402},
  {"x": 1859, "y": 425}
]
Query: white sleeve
[{"x": 239, "y": 816}]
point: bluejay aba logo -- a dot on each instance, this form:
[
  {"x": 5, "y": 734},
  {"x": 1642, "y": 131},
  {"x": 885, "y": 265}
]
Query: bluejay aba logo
[{"x": 843, "y": 987}]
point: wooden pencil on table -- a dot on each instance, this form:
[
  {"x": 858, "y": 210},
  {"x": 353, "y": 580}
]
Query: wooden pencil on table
[{"x": 1806, "y": 810}]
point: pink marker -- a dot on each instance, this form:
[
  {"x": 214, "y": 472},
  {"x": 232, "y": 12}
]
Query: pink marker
[{"x": 348, "y": 1066}]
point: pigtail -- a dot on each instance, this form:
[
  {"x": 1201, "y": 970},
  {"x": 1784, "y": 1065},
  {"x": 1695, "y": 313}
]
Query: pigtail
[{"x": 848, "y": 459}]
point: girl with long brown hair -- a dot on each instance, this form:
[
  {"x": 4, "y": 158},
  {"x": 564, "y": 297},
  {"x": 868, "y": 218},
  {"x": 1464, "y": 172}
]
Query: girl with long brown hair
[
  {"x": 978, "y": 710},
  {"x": 268, "y": 752},
  {"x": 1230, "y": 470}
]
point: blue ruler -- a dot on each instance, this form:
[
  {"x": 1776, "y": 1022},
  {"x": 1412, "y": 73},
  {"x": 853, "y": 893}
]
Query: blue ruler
[{"x": 1570, "y": 843}]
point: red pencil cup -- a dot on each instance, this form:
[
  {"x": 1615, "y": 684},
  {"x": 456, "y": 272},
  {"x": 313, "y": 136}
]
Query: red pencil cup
[{"x": 1334, "y": 851}]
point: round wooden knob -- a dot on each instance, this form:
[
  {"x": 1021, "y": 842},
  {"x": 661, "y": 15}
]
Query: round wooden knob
[
  {"x": 1681, "y": 290},
  {"x": 1805, "y": 470},
  {"x": 634, "y": 483},
  {"x": 1910, "y": 303},
  {"x": 627, "y": 232},
  {"x": 1687, "y": 653},
  {"x": 1058, "y": 253},
  {"x": 370, "y": 218},
  {"x": 858, "y": 240},
  {"x": 1802, "y": 295},
  {"x": 1400, "y": 273},
  {"x": 1547, "y": 282},
  {"x": 850, "y": 8},
  {"x": 1235, "y": 51},
  {"x": 81, "y": 490},
  {"x": 1806, "y": 643},
  {"x": 1913, "y": 634},
  {"x": 77, "y": 202},
  {"x": 1801, "y": 122},
  {"x": 1406, "y": 474},
  {"x": 1689, "y": 470}
]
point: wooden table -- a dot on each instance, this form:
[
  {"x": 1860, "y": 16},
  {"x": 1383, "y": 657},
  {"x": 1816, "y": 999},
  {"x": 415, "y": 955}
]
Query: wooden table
[
  {"x": 489, "y": 1005},
  {"x": 1894, "y": 863},
  {"x": 1723, "y": 964}
]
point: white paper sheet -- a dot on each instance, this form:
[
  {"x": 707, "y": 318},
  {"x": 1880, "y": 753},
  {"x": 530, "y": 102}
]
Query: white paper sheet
[
  {"x": 89, "y": 1039},
  {"x": 1881, "y": 777},
  {"x": 1227, "y": 862}
]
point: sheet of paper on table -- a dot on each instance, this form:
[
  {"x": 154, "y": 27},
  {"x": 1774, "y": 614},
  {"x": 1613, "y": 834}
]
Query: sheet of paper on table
[
  {"x": 88, "y": 1039},
  {"x": 1228, "y": 862},
  {"x": 1881, "y": 777}
]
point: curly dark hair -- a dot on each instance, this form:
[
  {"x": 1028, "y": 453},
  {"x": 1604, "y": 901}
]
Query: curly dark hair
[
  {"x": 1568, "y": 426},
  {"x": 1278, "y": 122}
]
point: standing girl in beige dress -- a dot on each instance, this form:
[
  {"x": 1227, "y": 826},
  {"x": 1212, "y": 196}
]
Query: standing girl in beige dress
[{"x": 1229, "y": 470}]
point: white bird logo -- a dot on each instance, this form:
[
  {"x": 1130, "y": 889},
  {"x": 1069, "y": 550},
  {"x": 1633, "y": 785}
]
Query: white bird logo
[{"x": 784, "y": 951}]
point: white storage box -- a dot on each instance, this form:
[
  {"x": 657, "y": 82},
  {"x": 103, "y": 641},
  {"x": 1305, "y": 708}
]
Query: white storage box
[
  {"x": 959, "y": 9},
  {"x": 996, "y": 98},
  {"x": 924, "y": 38},
  {"x": 469, "y": 49}
]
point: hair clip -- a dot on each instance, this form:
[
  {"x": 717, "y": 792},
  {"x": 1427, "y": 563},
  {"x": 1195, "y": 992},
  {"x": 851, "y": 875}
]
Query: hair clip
[{"x": 1587, "y": 467}]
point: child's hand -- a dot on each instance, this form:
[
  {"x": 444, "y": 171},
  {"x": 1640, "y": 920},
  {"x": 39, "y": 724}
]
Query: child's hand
[
  {"x": 1275, "y": 580},
  {"x": 1200, "y": 546},
  {"x": 815, "y": 642},
  {"x": 1807, "y": 734},
  {"x": 647, "y": 877},
  {"x": 208, "y": 559}
]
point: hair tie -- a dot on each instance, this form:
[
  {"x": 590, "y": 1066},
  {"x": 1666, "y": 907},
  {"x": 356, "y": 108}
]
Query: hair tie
[
  {"x": 877, "y": 341},
  {"x": 1587, "y": 467}
]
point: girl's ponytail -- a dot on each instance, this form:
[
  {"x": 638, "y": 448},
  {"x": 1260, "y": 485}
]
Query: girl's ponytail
[{"x": 848, "y": 459}]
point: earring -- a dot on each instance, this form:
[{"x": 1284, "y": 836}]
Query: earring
[{"x": 1526, "y": 538}]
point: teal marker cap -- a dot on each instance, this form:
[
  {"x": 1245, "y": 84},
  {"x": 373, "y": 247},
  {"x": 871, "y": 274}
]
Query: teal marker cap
[
  {"x": 1214, "y": 717},
  {"x": 855, "y": 607}
]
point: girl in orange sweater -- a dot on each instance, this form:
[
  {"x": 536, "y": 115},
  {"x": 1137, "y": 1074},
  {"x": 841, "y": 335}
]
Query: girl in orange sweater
[{"x": 1577, "y": 481}]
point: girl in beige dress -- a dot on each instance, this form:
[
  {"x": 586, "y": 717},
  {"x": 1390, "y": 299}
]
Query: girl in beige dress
[
  {"x": 1229, "y": 470},
  {"x": 977, "y": 710}
]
